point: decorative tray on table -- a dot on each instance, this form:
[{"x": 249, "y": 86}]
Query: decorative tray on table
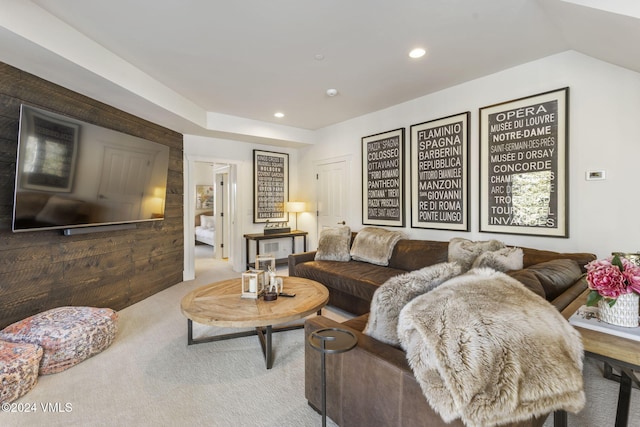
[{"x": 587, "y": 317}]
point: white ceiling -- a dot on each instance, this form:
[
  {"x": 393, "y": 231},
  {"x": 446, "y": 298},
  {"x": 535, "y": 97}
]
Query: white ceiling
[{"x": 222, "y": 68}]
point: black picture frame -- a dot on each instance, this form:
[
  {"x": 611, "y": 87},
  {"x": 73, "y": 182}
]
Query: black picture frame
[
  {"x": 383, "y": 179},
  {"x": 439, "y": 152},
  {"x": 524, "y": 165},
  {"x": 270, "y": 186}
]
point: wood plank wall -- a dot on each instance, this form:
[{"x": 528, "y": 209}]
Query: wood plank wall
[{"x": 45, "y": 269}]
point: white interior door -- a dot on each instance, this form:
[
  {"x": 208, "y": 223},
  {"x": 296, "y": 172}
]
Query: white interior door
[{"x": 332, "y": 193}]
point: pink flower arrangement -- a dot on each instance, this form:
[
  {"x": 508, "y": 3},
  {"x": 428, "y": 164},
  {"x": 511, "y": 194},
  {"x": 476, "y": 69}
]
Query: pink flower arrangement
[{"x": 609, "y": 278}]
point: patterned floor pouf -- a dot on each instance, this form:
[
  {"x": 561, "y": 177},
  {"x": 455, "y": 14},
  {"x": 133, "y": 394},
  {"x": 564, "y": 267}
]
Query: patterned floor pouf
[
  {"x": 18, "y": 369},
  {"x": 68, "y": 335}
]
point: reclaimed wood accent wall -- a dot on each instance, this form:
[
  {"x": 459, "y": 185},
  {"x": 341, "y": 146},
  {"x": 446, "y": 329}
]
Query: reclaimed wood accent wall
[{"x": 40, "y": 270}]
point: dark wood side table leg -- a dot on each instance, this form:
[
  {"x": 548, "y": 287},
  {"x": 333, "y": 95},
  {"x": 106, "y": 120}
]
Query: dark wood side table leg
[
  {"x": 304, "y": 238},
  {"x": 624, "y": 397},
  {"x": 560, "y": 419}
]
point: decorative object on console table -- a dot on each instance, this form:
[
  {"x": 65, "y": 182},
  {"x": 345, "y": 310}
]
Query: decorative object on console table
[
  {"x": 615, "y": 285},
  {"x": 276, "y": 228},
  {"x": 296, "y": 207}
]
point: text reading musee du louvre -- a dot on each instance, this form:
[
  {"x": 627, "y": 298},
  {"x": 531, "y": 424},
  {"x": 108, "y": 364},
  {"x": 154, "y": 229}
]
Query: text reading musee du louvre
[{"x": 523, "y": 166}]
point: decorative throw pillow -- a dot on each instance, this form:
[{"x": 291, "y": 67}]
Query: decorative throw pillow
[
  {"x": 333, "y": 244},
  {"x": 504, "y": 259},
  {"x": 556, "y": 276},
  {"x": 464, "y": 251},
  {"x": 375, "y": 245},
  {"x": 207, "y": 221},
  {"x": 389, "y": 299}
]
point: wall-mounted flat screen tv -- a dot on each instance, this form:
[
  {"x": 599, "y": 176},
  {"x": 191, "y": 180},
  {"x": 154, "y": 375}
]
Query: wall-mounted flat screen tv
[{"x": 72, "y": 174}]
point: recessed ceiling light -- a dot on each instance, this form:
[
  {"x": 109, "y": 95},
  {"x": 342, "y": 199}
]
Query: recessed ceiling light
[
  {"x": 332, "y": 92},
  {"x": 279, "y": 115},
  {"x": 318, "y": 57},
  {"x": 417, "y": 53}
]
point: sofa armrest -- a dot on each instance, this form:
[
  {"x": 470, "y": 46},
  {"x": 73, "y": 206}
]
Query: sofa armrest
[
  {"x": 570, "y": 294},
  {"x": 372, "y": 384},
  {"x": 299, "y": 258}
]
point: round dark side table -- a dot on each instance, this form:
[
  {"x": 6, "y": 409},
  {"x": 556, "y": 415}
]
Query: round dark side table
[{"x": 330, "y": 341}]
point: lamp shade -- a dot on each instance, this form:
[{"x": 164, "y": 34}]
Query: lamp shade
[{"x": 296, "y": 207}]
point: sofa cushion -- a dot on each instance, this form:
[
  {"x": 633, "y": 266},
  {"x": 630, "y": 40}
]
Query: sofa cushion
[
  {"x": 356, "y": 278},
  {"x": 375, "y": 245},
  {"x": 465, "y": 252},
  {"x": 529, "y": 279},
  {"x": 556, "y": 276},
  {"x": 410, "y": 255},
  {"x": 504, "y": 259},
  {"x": 396, "y": 292},
  {"x": 333, "y": 244},
  {"x": 536, "y": 256}
]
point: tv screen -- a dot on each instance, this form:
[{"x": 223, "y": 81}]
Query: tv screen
[{"x": 71, "y": 174}]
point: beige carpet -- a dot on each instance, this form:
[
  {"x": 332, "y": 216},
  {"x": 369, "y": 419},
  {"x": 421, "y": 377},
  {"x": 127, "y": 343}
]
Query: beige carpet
[{"x": 150, "y": 377}]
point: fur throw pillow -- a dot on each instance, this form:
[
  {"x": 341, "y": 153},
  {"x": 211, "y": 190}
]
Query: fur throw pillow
[
  {"x": 465, "y": 252},
  {"x": 333, "y": 244},
  {"x": 375, "y": 245},
  {"x": 504, "y": 259},
  {"x": 396, "y": 292}
]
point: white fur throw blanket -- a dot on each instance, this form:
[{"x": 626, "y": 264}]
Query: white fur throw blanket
[{"x": 488, "y": 351}]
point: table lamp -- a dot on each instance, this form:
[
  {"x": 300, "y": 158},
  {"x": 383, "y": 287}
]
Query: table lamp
[{"x": 296, "y": 207}]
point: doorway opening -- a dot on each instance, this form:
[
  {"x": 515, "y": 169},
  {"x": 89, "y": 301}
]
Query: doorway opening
[{"x": 209, "y": 198}]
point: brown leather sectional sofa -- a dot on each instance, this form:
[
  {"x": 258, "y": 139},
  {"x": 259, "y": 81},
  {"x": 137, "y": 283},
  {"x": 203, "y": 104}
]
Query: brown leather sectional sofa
[{"x": 372, "y": 384}]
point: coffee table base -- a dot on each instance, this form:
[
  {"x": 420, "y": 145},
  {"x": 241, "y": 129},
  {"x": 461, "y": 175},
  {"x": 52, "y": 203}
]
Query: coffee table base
[{"x": 264, "y": 335}]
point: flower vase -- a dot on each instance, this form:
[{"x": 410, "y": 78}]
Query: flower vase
[{"x": 623, "y": 313}]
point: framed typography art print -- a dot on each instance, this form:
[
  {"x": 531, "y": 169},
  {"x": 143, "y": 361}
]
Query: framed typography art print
[
  {"x": 523, "y": 165},
  {"x": 439, "y": 173},
  {"x": 270, "y": 186},
  {"x": 383, "y": 179}
]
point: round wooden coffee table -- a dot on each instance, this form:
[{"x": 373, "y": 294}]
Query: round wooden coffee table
[{"x": 220, "y": 304}]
